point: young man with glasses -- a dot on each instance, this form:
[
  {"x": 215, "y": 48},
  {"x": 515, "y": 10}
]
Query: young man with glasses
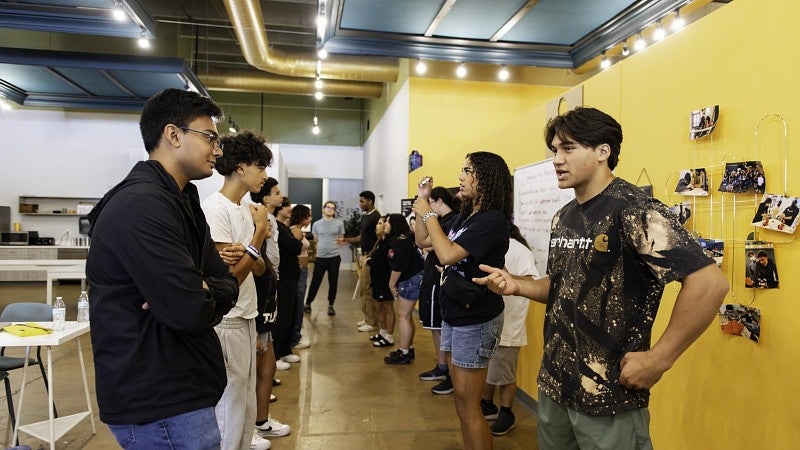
[
  {"x": 159, "y": 285},
  {"x": 328, "y": 233}
]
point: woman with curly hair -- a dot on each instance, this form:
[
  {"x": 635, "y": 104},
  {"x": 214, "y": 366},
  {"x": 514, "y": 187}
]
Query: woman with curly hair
[{"x": 472, "y": 316}]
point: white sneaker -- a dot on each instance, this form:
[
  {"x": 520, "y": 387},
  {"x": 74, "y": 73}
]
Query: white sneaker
[
  {"x": 273, "y": 428},
  {"x": 290, "y": 358},
  {"x": 259, "y": 443},
  {"x": 273, "y": 398},
  {"x": 304, "y": 343},
  {"x": 282, "y": 365},
  {"x": 367, "y": 327},
  {"x": 361, "y": 323}
]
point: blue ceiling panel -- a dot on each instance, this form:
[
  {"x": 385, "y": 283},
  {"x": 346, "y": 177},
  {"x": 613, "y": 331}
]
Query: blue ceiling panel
[
  {"x": 478, "y": 19},
  {"x": 389, "y": 16},
  {"x": 147, "y": 84},
  {"x": 97, "y": 82},
  {"x": 562, "y": 22},
  {"x": 36, "y": 79}
]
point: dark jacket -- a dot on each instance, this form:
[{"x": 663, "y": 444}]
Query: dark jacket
[{"x": 151, "y": 243}]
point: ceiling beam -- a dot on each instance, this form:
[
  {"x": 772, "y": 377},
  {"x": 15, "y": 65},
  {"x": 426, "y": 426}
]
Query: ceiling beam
[
  {"x": 443, "y": 11},
  {"x": 513, "y": 20}
]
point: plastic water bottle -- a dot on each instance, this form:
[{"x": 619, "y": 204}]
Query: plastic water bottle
[
  {"x": 59, "y": 314},
  {"x": 83, "y": 307}
]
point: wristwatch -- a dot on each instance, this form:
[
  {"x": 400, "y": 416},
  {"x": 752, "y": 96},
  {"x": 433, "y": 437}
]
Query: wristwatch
[{"x": 428, "y": 215}]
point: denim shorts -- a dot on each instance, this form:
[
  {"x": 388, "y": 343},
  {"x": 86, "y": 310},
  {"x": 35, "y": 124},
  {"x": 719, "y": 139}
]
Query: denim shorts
[
  {"x": 409, "y": 289},
  {"x": 472, "y": 346}
]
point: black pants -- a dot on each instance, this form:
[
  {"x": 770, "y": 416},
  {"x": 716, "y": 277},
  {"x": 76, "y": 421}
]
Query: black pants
[
  {"x": 283, "y": 329},
  {"x": 322, "y": 265}
]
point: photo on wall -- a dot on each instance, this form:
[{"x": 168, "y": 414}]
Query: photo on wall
[
  {"x": 776, "y": 212},
  {"x": 743, "y": 177},
  {"x": 740, "y": 320},
  {"x": 714, "y": 248},
  {"x": 683, "y": 211},
  {"x": 703, "y": 121},
  {"x": 761, "y": 271},
  {"x": 692, "y": 183}
]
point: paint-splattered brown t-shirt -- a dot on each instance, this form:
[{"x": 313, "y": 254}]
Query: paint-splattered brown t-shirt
[{"x": 608, "y": 263}]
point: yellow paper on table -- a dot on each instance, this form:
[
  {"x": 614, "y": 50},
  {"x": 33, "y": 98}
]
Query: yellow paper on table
[{"x": 27, "y": 329}]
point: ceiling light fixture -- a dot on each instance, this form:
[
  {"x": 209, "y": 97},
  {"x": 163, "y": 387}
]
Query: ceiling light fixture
[
  {"x": 143, "y": 41},
  {"x": 421, "y": 67},
  {"x": 315, "y": 128},
  {"x": 605, "y": 63},
  {"x": 640, "y": 44},
  {"x": 659, "y": 34},
  {"x": 5, "y": 105},
  {"x": 678, "y": 22},
  {"x": 318, "y": 83},
  {"x": 232, "y": 126},
  {"x": 625, "y": 50},
  {"x": 319, "y": 95},
  {"x": 503, "y": 73},
  {"x": 322, "y": 53},
  {"x": 319, "y": 67},
  {"x": 461, "y": 71},
  {"x": 118, "y": 12}
]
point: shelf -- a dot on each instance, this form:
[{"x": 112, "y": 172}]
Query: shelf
[
  {"x": 61, "y": 425},
  {"x": 40, "y": 205},
  {"x": 52, "y": 214}
]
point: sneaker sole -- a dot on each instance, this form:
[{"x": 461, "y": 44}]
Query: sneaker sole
[
  {"x": 492, "y": 416},
  {"x": 263, "y": 433},
  {"x": 434, "y": 378},
  {"x": 500, "y": 433},
  {"x": 443, "y": 392}
]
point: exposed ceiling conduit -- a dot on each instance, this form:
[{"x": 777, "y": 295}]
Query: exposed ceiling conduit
[
  {"x": 251, "y": 81},
  {"x": 248, "y": 22}
]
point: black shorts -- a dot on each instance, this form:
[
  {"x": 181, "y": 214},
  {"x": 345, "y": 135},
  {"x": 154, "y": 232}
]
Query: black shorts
[
  {"x": 430, "y": 311},
  {"x": 382, "y": 294}
]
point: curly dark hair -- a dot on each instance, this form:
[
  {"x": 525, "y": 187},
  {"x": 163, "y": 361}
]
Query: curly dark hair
[
  {"x": 299, "y": 214},
  {"x": 495, "y": 189},
  {"x": 246, "y": 147},
  {"x": 589, "y": 127}
]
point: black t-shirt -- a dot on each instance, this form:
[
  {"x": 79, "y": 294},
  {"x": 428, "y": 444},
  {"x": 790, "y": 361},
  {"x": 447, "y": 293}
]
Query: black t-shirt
[
  {"x": 368, "y": 237},
  {"x": 484, "y": 235},
  {"x": 432, "y": 274},
  {"x": 404, "y": 257},
  {"x": 266, "y": 290},
  {"x": 290, "y": 248},
  {"x": 379, "y": 270}
]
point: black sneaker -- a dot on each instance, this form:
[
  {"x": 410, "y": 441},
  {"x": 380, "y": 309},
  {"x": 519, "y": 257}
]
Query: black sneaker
[
  {"x": 382, "y": 342},
  {"x": 443, "y": 388},
  {"x": 489, "y": 409},
  {"x": 434, "y": 375},
  {"x": 276, "y": 382},
  {"x": 504, "y": 423},
  {"x": 411, "y": 353},
  {"x": 307, "y": 308},
  {"x": 398, "y": 357},
  {"x": 375, "y": 337},
  {"x": 331, "y": 311}
]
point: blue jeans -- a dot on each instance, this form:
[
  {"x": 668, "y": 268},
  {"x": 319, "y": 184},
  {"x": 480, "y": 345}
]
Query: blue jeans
[
  {"x": 192, "y": 430},
  {"x": 298, "y": 314}
]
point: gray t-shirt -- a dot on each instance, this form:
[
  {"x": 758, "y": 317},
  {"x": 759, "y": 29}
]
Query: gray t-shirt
[{"x": 326, "y": 233}]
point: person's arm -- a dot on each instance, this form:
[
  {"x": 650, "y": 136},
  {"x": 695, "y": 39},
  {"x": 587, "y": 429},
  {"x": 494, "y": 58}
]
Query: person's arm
[
  {"x": 247, "y": 265},
  {"x": 696, "y": 306},
  {"x": 501, "y": 282},
  {"x": 393, "y": 278}
]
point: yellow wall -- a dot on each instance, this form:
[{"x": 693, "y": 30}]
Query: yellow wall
[{"x": 725, "y": 392}]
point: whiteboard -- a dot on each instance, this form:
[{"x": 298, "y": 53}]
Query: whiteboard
[{"x": 537, "y": 198}]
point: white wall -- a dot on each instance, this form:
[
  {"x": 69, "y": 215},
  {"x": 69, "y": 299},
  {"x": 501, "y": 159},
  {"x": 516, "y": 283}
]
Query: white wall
[
  {"x": 321, "y": 161},
  {"x": 386, "y": 156},
  {"x": 56, "y": 153}
]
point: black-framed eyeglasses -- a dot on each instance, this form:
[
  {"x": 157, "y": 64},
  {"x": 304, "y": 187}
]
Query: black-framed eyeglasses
[{"x": 212, "y": 138}]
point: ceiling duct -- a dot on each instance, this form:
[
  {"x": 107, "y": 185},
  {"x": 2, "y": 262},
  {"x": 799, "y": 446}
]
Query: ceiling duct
[
  {"x": 248, "y": 22},
  {"x": 250, "y": 81}
]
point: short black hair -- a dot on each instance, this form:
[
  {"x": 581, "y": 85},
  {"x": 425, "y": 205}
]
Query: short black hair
[
  {"x": 174, "y": 106},
  {"x": 589, "y": 127},
  {"x": 247, "y": 148},
  {"x": 444, "y": 194},
  {"x": 369, "y": 195},
  {"x": 258, "y": 197},
  {"x": 299, "y": 214},
  {"x": 762, "y": 254}
]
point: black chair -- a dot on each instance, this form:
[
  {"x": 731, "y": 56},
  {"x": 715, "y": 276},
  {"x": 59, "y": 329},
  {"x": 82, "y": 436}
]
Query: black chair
[{"x": 24, "y": 312}]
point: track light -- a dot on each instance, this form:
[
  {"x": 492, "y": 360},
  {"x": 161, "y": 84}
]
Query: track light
[
  {"x": 322, "y": 53},
  {"x": 232, "y": 126},
  {"x": 605, "y": 63},
  {"x": 640, "y": 44},
  {"x": 319, "y": 95},
  {"x": 318, "y": 83},
  {"x": 678, "y": 22},
  {"x": 118, "y": 12},
  {"x": 503, "y": 73},
  {"x": 315, "y": 128},
  {"x": 421, "y": 67},
  {"x": 659, "y": 34},
  {"x": 5, "y": 105},
  {"x": 625, "y": 50},
  {"x": 143, "y": 41},
  {"x": 461, "y": 71}
]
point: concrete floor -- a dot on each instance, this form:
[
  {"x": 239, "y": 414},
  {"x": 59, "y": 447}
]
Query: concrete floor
[{"x": 340, "y": 396}]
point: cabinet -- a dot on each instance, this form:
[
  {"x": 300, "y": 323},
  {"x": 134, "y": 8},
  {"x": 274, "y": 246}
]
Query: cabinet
[
  {"x": 39, "y": 205},
  {"x": 14, "y": 265}
]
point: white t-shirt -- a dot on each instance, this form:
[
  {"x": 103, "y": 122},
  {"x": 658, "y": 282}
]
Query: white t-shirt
[
  {"x": 519, "y": 261},
  {"x": 232, "y": 223}
]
